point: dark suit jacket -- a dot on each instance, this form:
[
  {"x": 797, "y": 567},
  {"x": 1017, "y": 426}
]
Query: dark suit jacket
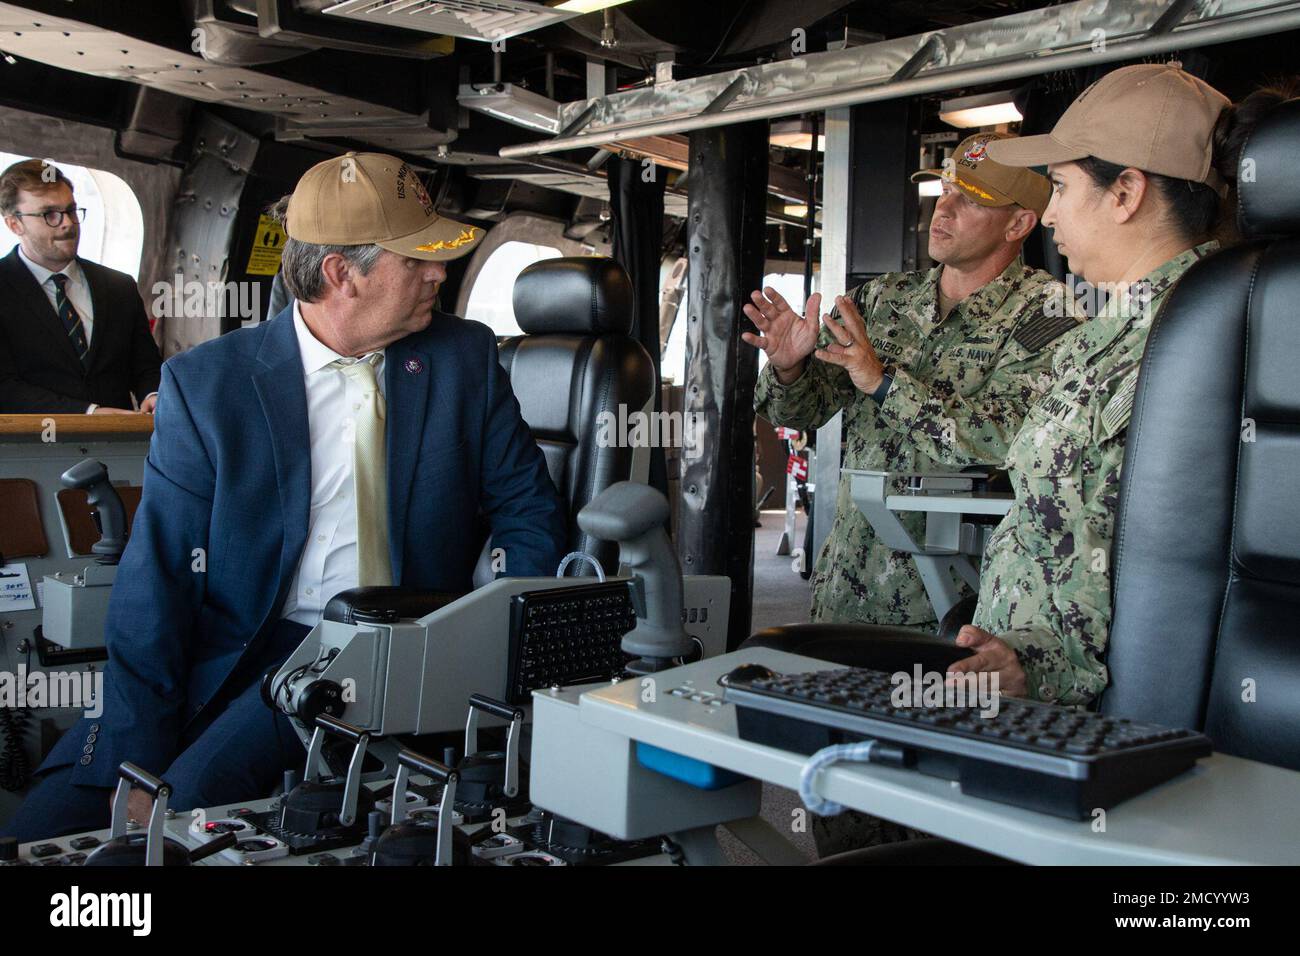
[
  {"x": 39, "y": 368},
  {"x": 229, "y": 471}
]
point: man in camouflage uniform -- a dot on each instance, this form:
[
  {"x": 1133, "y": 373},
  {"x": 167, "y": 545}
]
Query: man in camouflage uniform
[
  {"x": 956, "y": 356},
  {"x": 1044, "y": 607}
]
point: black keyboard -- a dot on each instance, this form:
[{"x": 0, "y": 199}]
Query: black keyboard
[
  {"x": 1047, "y": 758},
  {"x": 567, "y": 636}
]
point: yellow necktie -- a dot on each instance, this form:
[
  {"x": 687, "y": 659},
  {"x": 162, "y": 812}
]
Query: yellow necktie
[{"x": 369, "y": 474}]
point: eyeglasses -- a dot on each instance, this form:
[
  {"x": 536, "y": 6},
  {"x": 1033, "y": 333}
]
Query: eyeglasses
[{"x": 54, "y": 217}]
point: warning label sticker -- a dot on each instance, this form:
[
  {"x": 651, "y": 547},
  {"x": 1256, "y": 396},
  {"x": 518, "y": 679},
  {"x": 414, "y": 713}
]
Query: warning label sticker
[{"x": 268, "y": 244}]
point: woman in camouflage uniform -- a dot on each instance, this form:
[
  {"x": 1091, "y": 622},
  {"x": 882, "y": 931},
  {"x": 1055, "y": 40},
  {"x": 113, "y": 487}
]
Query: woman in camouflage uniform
[{"x": 1139, "y": 165}]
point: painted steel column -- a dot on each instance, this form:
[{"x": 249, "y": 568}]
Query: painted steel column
[
  {"x": 725, "y": 250},
  {"x": 203, "y": 226},
  {"x": 834, "y": 274}
]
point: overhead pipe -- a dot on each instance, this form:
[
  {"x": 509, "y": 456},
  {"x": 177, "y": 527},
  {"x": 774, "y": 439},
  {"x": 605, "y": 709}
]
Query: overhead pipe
[{"x": 1185, "y": 37}]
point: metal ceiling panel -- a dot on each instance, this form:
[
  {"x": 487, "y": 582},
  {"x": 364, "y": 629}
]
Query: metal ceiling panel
[{"x": 72, "y": 45}]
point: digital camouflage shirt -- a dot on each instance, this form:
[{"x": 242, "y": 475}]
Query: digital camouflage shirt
[
  {"x": 960, "y": 391},
  {"x": 1045, "y": 581}
]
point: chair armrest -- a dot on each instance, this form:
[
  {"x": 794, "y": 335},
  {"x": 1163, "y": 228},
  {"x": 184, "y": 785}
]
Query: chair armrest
[
  {"x": 963, "y": 612},
  {"x": 385, "y": 605},
  {"x": 880, "y": 647}
]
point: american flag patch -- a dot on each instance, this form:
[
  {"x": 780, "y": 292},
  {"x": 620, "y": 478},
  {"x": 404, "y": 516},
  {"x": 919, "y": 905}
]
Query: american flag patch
[
  {"x": 1036, "y": 333},
  {"x": 1120, "y": 407}
]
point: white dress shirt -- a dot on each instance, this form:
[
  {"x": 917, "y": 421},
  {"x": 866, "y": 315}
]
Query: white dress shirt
[
  {"x": 78, "y": 290},
  {"x": 329, "y": 558}
]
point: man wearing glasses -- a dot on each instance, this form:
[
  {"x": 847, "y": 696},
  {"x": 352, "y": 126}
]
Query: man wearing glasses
[{"x": 74, "y": 337}]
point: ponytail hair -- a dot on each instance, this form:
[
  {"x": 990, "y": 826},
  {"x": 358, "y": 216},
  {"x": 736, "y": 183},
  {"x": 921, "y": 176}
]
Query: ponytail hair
[{"x": 1238, "y": 121}]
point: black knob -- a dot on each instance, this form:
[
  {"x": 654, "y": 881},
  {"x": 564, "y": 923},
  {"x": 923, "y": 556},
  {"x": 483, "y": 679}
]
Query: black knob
[
  {"x": 8, "y": 849},
  {"x": 323, "y": 698},
  {"x": 290, "y": 780},
  {"x": 267, "y": 687}
]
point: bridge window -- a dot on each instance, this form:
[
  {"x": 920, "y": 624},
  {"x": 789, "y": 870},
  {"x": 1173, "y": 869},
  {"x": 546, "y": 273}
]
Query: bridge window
[
  {"x": 789, "y": 284},
  {"x": 113, "y": 231},
  {"x": 490, "y": 299}
]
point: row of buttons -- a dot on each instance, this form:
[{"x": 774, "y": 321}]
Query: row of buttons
[
  {"x": 569, "y": 637},
  {"x": 51, "y": 854},
  {"x": 1046, "y": 728},
  {"x": 88, "y": 750},
  {"x": 700, "y": 697}
]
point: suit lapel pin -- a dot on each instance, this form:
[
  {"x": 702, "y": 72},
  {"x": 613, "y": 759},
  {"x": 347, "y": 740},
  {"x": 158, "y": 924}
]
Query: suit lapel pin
[{"x": 414, "y": 366}]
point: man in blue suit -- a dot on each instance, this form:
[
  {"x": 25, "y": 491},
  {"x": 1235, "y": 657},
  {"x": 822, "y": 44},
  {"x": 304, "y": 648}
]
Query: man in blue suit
[{"x": 352, "y": 440}]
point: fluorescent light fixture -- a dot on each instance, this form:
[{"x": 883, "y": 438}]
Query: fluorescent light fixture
[
  {"x": 799, "y": 211},
  {"x": 585, "y": 6},
  {"x": 795, "y": 134},
  {"x": 987, "y": 109},
  {"x": 513, "y": 104},
  {"x": 929, "y": 187},
  {"x": 485, "y": 20}
]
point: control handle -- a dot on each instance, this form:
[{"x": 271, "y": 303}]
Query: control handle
[
  {"x": 142, "y": 779},
  {"x": 105, "y": 506},
  {"x": 438, "y": 772},
  {"x": 223, "y": 842},
  {"x": 337, "y": 727},
  {"x": 497, "y": 708},
  {"x": 634, "y": 515}
]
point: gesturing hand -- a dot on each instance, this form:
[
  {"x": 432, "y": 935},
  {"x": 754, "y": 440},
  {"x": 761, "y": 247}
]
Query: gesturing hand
[
  {"x": 787, "y": 338},
  {"x": 852, "y": 350}
]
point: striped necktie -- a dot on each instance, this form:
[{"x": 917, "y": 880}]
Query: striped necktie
[
  {"x": 69, "y": 317},
  {"x": 369, "y": 473}
]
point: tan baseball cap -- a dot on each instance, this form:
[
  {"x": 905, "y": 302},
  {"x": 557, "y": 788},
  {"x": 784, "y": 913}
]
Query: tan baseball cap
[
  {"x": 360, "y": 198},
  {"x": 1153, "y": 116},
  {"x": 988, "y": 182}
]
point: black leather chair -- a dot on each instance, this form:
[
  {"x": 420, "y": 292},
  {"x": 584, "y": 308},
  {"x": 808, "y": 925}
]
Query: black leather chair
[
  {"x": 1206, "y": 556},
  {"x": 575, "y": 361},
  {"x": 1206, "y": 559}
]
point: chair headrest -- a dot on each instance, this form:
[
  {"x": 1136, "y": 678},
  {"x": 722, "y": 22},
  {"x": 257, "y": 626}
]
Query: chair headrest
[
  {"x": 1268, "y": 189},
  {"x": 582, "y": 294}
]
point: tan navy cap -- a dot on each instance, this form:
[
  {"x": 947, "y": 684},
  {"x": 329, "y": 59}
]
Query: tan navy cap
[
  {"x": 1153, "y": 116},
  {"x": 361, "y": 198},
  {"x": 988, "y": 182}
]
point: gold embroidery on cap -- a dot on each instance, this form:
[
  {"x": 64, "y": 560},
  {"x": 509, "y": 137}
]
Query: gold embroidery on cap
[
  {"x": 466, "y": 235},
  {"x": 975, "y": 189}
]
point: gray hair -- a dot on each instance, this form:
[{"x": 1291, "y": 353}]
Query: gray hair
[
  {"x": 279, "y": 210},
  {"x": 301, "y": 263}
]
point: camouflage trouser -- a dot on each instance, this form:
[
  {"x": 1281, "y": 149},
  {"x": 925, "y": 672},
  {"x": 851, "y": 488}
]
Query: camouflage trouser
[
  {"x": 852, "y": 830},
  {"x": 857, "y": 579}
]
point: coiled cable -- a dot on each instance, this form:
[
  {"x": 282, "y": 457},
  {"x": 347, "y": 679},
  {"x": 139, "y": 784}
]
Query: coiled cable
[{"x": 15, "y": 767}]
